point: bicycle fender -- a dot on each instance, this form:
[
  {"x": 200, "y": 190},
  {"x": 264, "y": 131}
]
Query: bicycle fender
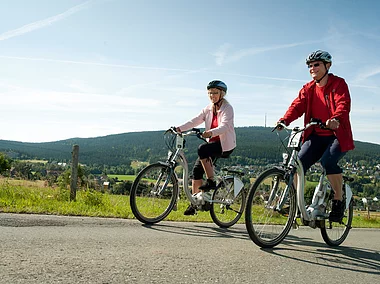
[
  {"x": 348, "y": 195},
  {"x": 163, "y": 163},
  {"x": 238, "y": 185}
]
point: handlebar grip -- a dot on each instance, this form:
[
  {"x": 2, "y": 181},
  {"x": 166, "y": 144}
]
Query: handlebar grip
[
  {"x": 279, "y": 126},
  {"x": 197, "y": 130},
  {"x": 319, "y": 122}
]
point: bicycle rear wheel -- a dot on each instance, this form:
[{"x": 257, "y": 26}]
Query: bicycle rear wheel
[
  {"x": 154, "y": 193},
  {"x": 227, "y": 209},
  {"x": 267, "y": 226},
  {"x": 334, "y": 233}
]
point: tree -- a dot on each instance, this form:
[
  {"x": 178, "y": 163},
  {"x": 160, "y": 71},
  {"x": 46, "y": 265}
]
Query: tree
[{"x": 5, "y": 163}]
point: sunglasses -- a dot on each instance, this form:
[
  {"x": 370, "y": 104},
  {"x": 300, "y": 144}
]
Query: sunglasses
[
  {"x": 213, "y": 93},
  {"x": 314, "y": 65}
]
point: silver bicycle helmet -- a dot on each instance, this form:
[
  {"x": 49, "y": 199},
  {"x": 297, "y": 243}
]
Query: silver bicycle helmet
[
  {"x": 319, "y": 55},
  {"x": 217, "y": 84}
]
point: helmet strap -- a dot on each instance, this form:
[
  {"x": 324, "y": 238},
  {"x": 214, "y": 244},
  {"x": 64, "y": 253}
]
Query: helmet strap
[
  {"x": 218, "y": 102},
  {"x": 217, "y": 105}
]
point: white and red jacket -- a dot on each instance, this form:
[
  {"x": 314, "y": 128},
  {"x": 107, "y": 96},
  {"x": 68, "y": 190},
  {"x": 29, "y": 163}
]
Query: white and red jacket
[{"x": 225, "y": 129}]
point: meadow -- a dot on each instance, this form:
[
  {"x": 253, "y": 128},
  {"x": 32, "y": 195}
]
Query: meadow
[{"x": 35, "y": 197}]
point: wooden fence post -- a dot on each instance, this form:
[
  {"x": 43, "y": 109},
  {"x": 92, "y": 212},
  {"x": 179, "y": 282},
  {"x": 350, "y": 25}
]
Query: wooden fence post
[{"x": 74, "y": 173}]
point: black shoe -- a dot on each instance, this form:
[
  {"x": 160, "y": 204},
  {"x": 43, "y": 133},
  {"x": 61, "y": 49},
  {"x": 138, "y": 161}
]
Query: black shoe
[
  {"x": 206, "y": 206},
  {"x": 337, "y": 211},
  {"x": 190, "y": 210},
  {"x": 210, "y": 184}
]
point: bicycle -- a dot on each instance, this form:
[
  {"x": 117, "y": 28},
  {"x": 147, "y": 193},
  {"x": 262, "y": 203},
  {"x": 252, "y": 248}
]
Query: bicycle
[
  {"x": 273, "y": 204},
  {"x": 155, "y": 191}
]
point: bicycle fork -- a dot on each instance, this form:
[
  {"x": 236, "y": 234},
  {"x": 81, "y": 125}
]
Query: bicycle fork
[
  {"x": 158, "y": 188},
  {"x": 274, "y": 194}
]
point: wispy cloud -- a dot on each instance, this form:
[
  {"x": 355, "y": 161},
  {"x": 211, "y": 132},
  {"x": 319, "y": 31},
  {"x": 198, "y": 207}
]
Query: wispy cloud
[
  {"x": 98, "y": 64},
  {"x": 221, "y": 55},
  {"x": 369, "y": 73},
  {"x": 46, "y": 22}
]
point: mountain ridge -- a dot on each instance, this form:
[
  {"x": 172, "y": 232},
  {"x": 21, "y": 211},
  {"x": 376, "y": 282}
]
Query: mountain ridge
[{"x": 254, "y": 142}]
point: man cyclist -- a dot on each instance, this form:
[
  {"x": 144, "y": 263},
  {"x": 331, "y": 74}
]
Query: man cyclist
[{"x": 326, "y": 97}]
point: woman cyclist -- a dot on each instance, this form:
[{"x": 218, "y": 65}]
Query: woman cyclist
[{"x": 218, "y": 117}]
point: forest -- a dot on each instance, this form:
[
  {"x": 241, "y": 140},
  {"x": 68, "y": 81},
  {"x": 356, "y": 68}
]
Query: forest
[
  {"x": 253, "y": 144},
  {"x": 258, "y": 147}
]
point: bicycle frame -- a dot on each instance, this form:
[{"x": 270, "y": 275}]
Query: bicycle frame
[
  {"x": 312, "y": 212},
  {"x": 283, "y": 204},
  {"x": 179, "y": 159},
  {"x": 163, "y": 195},
  {"x": 295, "y": 141}
]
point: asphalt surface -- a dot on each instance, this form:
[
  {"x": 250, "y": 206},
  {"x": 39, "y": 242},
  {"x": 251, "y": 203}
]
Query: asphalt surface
[{"x": 59, "y": 249}]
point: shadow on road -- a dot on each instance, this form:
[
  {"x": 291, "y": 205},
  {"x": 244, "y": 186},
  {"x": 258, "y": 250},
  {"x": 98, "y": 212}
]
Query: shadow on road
[
  {"x": 200, "y": 231},
  {"x": 342, "y": 257}
]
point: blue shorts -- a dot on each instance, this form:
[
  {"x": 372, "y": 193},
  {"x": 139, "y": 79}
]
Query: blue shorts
[{"x": 323, "y": 148}]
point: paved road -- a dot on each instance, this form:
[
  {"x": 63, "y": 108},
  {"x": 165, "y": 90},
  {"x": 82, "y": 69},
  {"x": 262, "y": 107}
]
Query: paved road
[{"x": 58, "y": 249}]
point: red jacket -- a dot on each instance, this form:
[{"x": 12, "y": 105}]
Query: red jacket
[{"x": 338, "y": 100}]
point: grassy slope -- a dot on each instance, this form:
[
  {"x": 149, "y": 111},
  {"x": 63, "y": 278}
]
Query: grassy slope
[{"x": 34, "y": 197}]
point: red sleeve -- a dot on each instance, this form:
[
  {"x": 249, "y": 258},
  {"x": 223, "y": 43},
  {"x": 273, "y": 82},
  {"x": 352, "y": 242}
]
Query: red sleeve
[
  {"x": 297, "y": 108},
  {"x": 342, "y": 101}
]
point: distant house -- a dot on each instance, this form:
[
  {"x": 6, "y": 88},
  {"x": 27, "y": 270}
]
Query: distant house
[{"x": 106, "y": 185}]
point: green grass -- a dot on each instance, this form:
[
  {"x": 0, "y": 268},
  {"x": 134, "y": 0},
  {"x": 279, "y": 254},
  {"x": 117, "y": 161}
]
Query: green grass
[
  {"x": 123, "y": 177},
  {"x": 36, "y": 197}
]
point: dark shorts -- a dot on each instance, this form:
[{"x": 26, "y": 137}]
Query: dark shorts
[
  {"x": 323, "y": 148},
  {"x": 208, "y": 150}
]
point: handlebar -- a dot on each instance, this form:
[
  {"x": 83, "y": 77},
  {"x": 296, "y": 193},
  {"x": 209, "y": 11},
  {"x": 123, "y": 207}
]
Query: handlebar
[
  {"x": 192, "y": 132},
  {"x": 313, "y": 121}
]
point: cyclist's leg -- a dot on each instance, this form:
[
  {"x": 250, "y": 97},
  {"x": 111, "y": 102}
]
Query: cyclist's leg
[
  {"x": 197, "y": 181},
  {"x": 198, "y": 172},
  {"x": 329, "y": 161},
  {"x": 206, "y": 152},
  {"x": 311, "y": 151}
]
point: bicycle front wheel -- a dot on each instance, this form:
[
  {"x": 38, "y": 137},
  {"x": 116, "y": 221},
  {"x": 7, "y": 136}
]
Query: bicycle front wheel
[
  {"x": 154, "y": 193},
  {"x": 334, "y": 233},
  {"x": 227, "y": 209},
  {"x": 267, "y": 226}
]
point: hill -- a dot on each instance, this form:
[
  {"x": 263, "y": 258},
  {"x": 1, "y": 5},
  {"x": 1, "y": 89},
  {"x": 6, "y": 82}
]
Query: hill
[{"x": 254, "y": 143}]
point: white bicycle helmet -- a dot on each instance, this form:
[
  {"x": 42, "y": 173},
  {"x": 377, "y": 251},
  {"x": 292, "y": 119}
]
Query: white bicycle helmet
[{"x": 319, "y": 55}]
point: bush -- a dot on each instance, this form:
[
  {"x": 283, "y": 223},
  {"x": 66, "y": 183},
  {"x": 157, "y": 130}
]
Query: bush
[
  {"x": 121, "y": 188},
  {"x": 93, "y": 198}
]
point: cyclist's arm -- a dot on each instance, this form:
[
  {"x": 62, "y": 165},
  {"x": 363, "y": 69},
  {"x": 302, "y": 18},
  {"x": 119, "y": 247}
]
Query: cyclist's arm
[
  {"x": 296, "y": 109},
  {"x": 194, "y": 122},
  {"x": 342, "y": 102}
]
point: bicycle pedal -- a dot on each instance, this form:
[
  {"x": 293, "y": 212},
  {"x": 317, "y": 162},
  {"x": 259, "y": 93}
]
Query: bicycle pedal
[
  {"x": 321, "y": 218},
  {"x": 295, "y": 225}
]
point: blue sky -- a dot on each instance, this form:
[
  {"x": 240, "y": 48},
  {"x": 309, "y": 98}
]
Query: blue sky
[{"x": 93, "y": 68}]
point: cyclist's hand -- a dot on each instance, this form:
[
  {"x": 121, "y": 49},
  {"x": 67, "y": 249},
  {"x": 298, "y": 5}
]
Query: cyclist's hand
[
  {"x": 279, "y": 125},
  {"x": 207, "y": 134},
  {"x": 332, "y": 123}
]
